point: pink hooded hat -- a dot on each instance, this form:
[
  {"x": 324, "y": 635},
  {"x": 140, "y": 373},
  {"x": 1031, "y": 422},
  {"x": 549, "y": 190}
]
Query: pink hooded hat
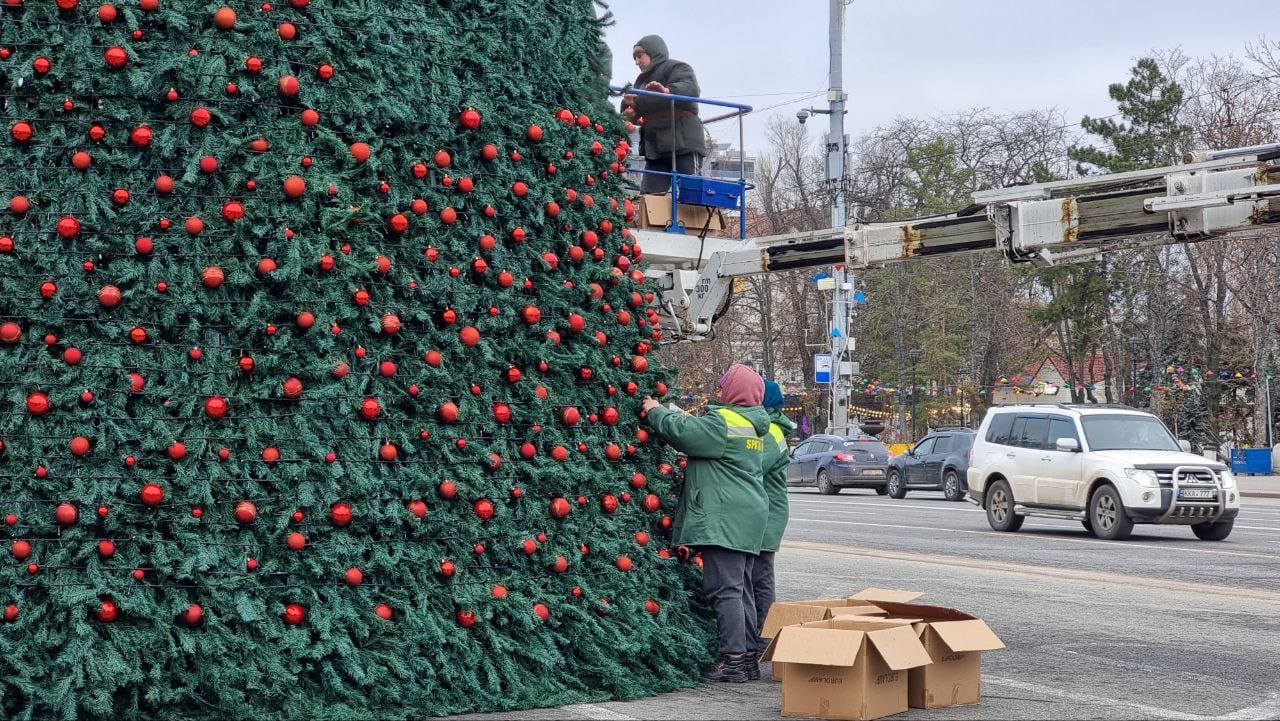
[{"x": 741, "y": 386}]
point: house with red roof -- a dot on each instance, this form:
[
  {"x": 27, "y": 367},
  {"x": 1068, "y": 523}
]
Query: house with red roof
[{"x": 1047, "y": 382}]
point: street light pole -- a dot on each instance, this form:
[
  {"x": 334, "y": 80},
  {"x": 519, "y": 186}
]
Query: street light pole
[
  {"x": 961, "y": 375},
  {"x": 914, "y": 355}
]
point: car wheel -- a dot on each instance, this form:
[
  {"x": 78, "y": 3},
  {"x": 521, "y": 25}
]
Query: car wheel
[
  {"x": 1107, "y": 515},
  {"x": 895, "y": 487},
  {"x": 825, "y": 486},
  {"x": 1213, "y": 531},
  {"x": 1088, "y": 526},
  {"x": 952, "y": 489},
  {"x": 882, "y": 490},
  {"x": 1000, "y": 512}
]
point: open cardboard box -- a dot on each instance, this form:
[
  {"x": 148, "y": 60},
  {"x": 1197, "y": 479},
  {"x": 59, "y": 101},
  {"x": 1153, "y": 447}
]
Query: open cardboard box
[
  {"x": 954, "y": 641},
  {"x": 654, "y": 212},
  {"x": 846, "y": 667},
  {"x": 790, "y": 613}
]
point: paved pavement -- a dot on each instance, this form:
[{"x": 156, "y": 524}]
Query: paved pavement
[
  {"x": 1259, "y": 486},
  {"x": 1161, "y": 626}
]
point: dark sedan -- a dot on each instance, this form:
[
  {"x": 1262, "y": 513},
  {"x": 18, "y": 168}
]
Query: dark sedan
[{"x": 835, "y": 462}]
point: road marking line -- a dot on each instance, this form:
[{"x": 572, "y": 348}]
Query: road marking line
[
  {"x": 997, "y": 534},
  {"x": 597, "y": 712},
  {"x": 1108, "y": 577},
  {"x": 1268, "y": 709},
  {"x": 1088, "y": 698}
]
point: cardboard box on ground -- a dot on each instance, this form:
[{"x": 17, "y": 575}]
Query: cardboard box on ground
[
  {"x": 951, "y": 640},
  {"x": 847, "y": 667},
  {"x": 654, "y": 212}
]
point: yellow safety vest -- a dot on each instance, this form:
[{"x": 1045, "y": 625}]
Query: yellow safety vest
[{"x": 740, "y": 426}]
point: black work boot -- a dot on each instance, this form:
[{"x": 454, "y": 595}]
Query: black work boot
[
  {"x": 753, "y": 665},
  {"x": 730, "y": 667}
]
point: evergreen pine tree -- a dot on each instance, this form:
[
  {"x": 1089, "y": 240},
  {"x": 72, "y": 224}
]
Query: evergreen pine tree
[{"x": 323, "y": 348}]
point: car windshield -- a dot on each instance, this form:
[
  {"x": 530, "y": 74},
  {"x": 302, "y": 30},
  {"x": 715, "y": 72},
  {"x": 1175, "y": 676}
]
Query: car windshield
[
  {"x": 1127, "y": 432},
  {"x": 869, "y": 445}
]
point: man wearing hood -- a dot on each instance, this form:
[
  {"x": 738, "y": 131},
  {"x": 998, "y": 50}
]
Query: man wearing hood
[
  {"x": 776, "y": 457},
  {"x": 723, "y": 511},
  {"x": 665, "y": 132}
]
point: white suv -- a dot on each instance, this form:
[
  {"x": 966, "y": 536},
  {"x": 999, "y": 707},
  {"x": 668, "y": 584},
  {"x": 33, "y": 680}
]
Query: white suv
[{"x": 1106, "y": 466}]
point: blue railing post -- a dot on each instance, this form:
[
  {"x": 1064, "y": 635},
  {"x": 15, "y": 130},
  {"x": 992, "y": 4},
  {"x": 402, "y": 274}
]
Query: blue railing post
[{"x": 739, "y": 111}]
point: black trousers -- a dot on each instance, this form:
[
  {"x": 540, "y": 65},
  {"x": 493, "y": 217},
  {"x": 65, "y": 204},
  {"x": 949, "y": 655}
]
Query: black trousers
[
  {"x": 762, "y": 588},
  {"x": 726, "y": 582},
  {"x": 686, "y": 163}
]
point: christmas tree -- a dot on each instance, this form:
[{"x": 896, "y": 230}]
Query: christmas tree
[{"x": 323, "y": 346}]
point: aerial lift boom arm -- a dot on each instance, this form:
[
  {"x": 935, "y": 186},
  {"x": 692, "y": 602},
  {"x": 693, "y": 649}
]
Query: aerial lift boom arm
[{"x": 1215, "y": 194}]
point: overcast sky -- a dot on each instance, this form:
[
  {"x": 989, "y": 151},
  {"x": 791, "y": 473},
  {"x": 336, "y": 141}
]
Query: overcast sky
[{"x": 927, "y": 57}]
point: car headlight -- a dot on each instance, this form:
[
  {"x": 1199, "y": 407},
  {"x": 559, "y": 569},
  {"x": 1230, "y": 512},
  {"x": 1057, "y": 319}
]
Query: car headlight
[
  {"x": 1228, "y": 480},
  {"x": 1143, "y": 477}
]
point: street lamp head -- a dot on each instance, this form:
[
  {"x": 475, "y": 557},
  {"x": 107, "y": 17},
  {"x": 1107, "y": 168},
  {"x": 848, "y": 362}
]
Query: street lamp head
[{"x": 913, "y": 354}]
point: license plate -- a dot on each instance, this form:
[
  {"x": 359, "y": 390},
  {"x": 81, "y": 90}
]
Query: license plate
[
  {"x": 1197, "y": 493},
  {"x": 872, "y": 472}
]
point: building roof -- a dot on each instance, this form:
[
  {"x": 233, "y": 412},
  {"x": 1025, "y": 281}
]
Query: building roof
[{"x": 1093, "y": 372}]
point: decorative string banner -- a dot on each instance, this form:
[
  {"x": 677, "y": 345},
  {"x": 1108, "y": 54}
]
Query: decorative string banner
[{"x": 323, "y": 344}]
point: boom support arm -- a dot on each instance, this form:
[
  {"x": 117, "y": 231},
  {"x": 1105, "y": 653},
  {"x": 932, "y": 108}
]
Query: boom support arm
[{"x": 1218, "y": 194}]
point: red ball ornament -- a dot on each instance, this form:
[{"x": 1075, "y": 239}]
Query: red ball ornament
[
  {"x": 340, "y": 514},
  {"x": 107, "y": 612},
  {"x": 623, "y": 563},
  {"x": 448, "y": 412},
  {"x": 325, "y": 71},
  {"x": 106, "y": 549},
  {"x": 466, "y": 619},
  {"x": 287, "y": 85},
  {"x": 151, "y": 494},
  {"x": 215, "y": 407},
  {"x": 65, "y": 514},
  {"x": 353, "y": 576},
  {"x": 79, "y": 446},
  {"x": 360, "y": 152},
  {"x": 608, "y": 503},
  {"x": 560, "y": 565},
  {"x": 469, "y": 336},
  {"x": 270, "y": 454},
  {"x": 37, "y": 403},
  {"x": 116, "y": 57},
  {"x": 534, "y": 133},
  {"x": 245, "y": 512},
  {"x": 470, "y": 119},
  {"x": 651, "y": 503},
  {"x": 68, "y": 227},
  {"x": 370, "y": 409},
  {"x": 418, "y": 508},
  {"x": 560, "y": 508},
  {"x": 483, "y": 509},
  {"x": 570, "y": 416},
  {"x": 390, "y": 323},
  {"x": 540, "y": 610},
  {"x": 10, "y": 332},
  {"x": 383, "y": 611},
  {"x": 224, "y": 18},
  {"x": 193, "y": 615},
  {"x": 295, "y": 541},
  {"x": 448, "y": 490},
  {"x": 294, "y": 614},
  {"x": 448, "y": 216}
]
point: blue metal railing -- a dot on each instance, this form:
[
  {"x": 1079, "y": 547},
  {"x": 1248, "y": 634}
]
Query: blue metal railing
[{"x": 699, "y": 185}]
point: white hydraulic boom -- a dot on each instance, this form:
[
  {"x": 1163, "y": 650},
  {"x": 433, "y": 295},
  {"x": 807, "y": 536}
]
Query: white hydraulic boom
[{"x": 1214, "y": 194}]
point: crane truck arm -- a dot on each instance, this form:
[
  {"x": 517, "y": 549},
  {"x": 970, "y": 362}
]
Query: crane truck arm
[{"x": 1212, "y": 195}]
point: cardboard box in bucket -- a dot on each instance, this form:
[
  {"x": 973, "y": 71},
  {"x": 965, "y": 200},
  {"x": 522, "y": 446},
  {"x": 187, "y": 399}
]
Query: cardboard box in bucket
[
  {"x": 954, "y": 641},
  {"x": 654, "y": 211},
  {"x": 790, "y": 613},
  {"x": 846, "y": 668}
]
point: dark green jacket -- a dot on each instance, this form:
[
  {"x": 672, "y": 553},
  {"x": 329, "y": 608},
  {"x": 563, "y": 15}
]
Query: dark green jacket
[
  {"x": 776, "y": 457},
  {"x": 722, "y": 502},
  {"x": 657, "y": 138}
]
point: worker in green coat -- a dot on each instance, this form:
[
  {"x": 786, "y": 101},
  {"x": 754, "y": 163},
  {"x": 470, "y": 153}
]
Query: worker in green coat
[
  {"x": 672, "y": 138},
  {"x": 777, "y": 454},
  {"x": 723, "y": 511}
]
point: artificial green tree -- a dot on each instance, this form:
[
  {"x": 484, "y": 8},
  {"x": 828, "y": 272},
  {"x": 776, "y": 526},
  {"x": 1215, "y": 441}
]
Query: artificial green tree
[{"x": 322, "y": 345}]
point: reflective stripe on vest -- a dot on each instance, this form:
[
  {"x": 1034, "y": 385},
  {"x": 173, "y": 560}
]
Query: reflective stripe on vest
[
  {"x": 775, "y": 431},
  {"x": 738, "y": 425}
]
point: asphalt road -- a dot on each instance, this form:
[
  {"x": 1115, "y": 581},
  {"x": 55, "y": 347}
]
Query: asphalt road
[{"x": 1161, "y": 626}]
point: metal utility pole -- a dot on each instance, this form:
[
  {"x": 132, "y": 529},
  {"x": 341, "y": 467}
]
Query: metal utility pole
[{"x": 842, "y": 293}]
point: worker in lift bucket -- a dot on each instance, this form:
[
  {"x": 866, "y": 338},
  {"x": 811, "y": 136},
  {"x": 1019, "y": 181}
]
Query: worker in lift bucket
[
  {"x": 723, "y": 511},
  {"x": 670, "y": 139}
]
